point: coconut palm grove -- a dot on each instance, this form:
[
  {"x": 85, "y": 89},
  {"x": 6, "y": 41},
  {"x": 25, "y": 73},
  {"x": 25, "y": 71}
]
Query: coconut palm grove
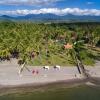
[
  {"x": 41, "y": 43},
  {"x": 50, "y": 43}
]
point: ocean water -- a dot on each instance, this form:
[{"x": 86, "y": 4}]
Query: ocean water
[{"x": 74, "y": 93}]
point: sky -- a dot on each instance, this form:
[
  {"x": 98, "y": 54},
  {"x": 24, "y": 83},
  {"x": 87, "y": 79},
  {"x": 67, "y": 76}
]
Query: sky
[{"x": 58, "y": 7}]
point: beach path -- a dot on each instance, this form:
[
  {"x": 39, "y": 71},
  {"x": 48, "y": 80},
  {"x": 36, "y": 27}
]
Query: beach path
[{"x": 9, "y": 74}]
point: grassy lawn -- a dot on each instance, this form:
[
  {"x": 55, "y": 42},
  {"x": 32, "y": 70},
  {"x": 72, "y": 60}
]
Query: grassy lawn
[
  {"x": 52, "y": 60},
  {"x": 65, "y": 60}
]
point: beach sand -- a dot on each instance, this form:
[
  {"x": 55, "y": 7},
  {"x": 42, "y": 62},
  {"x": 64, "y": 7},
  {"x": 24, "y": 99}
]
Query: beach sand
[
  {"x": 10, "y": 78},
  {"x": 9, "y": 74}
]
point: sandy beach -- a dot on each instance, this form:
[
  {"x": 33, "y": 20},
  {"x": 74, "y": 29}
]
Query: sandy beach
[{"x": 9, "y": 76}]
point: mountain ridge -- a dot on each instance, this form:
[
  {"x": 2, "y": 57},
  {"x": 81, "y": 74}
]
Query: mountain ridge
[{"x": 52, "y": 17}]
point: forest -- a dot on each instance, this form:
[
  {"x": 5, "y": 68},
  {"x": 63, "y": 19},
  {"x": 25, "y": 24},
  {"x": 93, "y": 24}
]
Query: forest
[{"x": 50, "y": 43}]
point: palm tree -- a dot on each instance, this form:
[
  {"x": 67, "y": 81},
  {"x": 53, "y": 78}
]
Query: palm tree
[{"x": 74, "y": 48}]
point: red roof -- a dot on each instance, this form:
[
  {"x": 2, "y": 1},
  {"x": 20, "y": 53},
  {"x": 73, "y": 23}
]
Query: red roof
[{"x": 68, "y": 46}]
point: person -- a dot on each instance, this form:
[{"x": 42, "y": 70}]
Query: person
[
  {"x": 33, "y": 71},
  {"x": 37, "y": 72}
]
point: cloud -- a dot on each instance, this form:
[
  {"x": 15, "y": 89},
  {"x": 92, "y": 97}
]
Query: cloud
[
  {"x": 89, "y": 3},
  {"x": 27, "y": 2},
  {"x": 57, "y": 11}
]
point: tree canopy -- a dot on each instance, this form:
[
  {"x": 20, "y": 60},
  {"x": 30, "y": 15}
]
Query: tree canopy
[{"x": 41, "y": 44}]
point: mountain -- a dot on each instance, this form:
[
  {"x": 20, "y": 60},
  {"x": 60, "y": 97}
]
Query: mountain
[
  {"x": 40, "y": 17},
  {"x": 51, "y": 17},
  {"x": 6, "y": 17}
]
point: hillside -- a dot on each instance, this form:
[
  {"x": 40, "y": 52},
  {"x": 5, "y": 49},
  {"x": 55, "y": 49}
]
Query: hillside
[{"x": 51, "y": 17}]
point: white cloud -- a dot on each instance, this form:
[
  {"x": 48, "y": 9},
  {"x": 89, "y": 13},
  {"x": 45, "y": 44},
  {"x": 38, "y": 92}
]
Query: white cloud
[
  {"x": 57, "y": 11},
  {"x": 89, "y": 3},
  {"x": 27, "y": 2}
]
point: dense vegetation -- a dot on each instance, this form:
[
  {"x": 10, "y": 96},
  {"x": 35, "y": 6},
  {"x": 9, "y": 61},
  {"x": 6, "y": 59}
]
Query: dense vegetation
[{"x": 42, "y": 44}]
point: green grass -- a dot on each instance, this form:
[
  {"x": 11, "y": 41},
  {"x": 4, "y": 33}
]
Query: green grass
[
  {"x": 62, "y": 60},
  {"x": 52, "y": 60}
]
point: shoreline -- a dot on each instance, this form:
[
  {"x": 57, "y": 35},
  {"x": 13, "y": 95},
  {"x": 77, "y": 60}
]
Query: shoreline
[
  {"x": 28, "y": 88},
  {"x": 11, "y": 82},
  {"x": 10, "y": 89}
]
